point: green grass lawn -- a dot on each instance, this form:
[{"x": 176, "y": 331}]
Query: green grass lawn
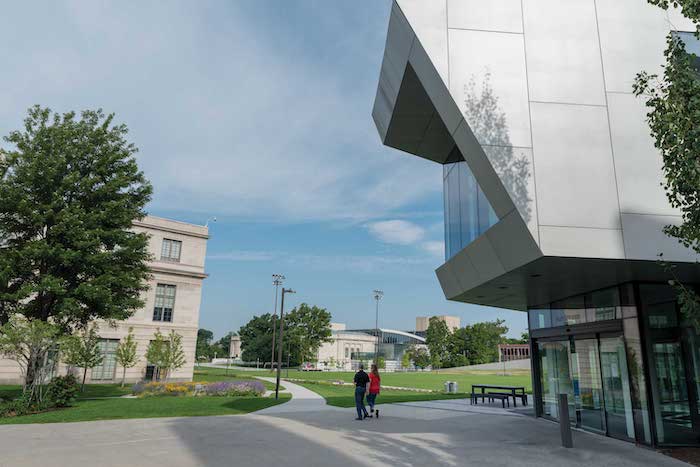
[
  {"x": 426, "y": 380},
  {"x": 109, "y": 409},
  {"x": 103, "y": 402},
  {"x": 344, "y": 396},
  {"x": 91, "y": 391}
]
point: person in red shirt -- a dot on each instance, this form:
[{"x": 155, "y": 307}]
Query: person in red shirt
[{"x": 374, "y": 387}]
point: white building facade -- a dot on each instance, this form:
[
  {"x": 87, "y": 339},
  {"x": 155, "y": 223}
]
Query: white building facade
[
  {"x": 172, "y": 302},
  {"x": 553, "y": 193}
]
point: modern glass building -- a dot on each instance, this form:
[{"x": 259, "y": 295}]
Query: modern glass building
[
  {"x": 553, "y": 196},
  {"x": 392, "y": 343}
]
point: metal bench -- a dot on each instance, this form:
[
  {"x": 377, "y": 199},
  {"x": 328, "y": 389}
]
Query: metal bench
[
  {"x": 522, "y": 397},
  {"x": 504, "y": 398}
]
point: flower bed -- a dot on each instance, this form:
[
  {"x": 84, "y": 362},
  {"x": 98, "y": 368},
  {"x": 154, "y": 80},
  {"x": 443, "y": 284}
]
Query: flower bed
[{"x": 220, "y": 388}]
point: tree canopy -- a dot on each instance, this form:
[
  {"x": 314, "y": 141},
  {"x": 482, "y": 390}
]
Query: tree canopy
[
  {"x": 70, "y": 189},
  {"x": 306, "y": 327},
  {"x": 673, "y": 104}
]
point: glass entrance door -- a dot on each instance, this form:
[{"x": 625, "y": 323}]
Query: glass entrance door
[
  {"x": 588, "y": 389},
  {"x": 616, "y": 388},
  {"x": 674, "y": 421},
  {"x": 555, "y": 377}
]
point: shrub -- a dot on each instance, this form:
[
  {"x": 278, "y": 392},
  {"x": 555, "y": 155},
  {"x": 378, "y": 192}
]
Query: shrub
[
  {"x": 61, "y": 390},
  {"x": 22, "y": 406}
]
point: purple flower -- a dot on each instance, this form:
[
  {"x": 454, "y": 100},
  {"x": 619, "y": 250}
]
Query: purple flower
[{"x": 235, "y": 388}]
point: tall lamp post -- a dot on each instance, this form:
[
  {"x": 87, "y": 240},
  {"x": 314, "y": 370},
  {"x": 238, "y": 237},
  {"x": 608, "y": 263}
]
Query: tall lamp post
[
  {"x": 276, "y": 281},
  {"x": 378, "y": 294},
  {"x": 281, "y": 342}
]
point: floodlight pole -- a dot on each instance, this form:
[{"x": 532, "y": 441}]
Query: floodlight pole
[
  {"x": 378, "y": 294},
  {"x": 276, "y": 281},
  {"x": 281, "y": 342}
]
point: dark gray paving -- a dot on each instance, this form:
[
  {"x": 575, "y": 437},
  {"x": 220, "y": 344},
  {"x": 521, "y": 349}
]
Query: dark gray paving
[{"x": 449, "y": 433}]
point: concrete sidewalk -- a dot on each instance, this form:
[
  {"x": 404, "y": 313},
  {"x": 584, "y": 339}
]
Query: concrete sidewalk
[
  {"x": 303, "y": 400},
  {"x": 308, "y": 433}
]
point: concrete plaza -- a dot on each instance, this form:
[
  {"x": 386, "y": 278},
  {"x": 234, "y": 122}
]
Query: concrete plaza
[{"x": 305, "y": 432}]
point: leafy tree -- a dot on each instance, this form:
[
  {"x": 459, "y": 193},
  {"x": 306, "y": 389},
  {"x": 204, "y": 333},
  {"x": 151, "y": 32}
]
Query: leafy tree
[
  {"x": 437, "y": 337},
  {"x": 381, "y": 362},
  {"x": 673, "y": 104},
  {"x": 406, "y": 359},
  {"x": 82, "y": 350},
  {"x": 70, "y": 189},
  {"x": 30, "y": 343},
  {"x": 306, "y": 328},
  {"x": 256, "y": 338},
  {"x": 420, "y": 357},
  {"x": 126, "y": 353},
  {"x": 223, "y": 346},
  {"x": 204, "y": 339},
  {"x": 479, "y": 342},
  {"x": 166, "y": 353}
]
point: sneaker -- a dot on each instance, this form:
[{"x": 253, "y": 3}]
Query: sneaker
[
  {"x": 359, "y": 419},
  {"x": 376, "y": 413},
  {"x": 368, "y": 415}
]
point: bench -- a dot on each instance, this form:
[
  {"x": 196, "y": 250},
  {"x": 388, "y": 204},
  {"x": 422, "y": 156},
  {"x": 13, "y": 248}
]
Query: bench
[
  {"x": 522, "y": 397},
  {"x": 504, "y": 398}
]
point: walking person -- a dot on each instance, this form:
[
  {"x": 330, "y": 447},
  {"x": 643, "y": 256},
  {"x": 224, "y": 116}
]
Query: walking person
[
  {"x": 361, "y": 385},
  {"x": 375, "y": 382}
]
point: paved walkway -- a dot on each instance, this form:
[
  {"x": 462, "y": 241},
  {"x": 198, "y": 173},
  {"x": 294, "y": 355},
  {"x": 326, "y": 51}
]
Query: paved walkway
[
  {"x": 303, "y": 400},
  {"x": 307, "y": 433}
]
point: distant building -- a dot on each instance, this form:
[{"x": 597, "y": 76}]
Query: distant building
[
  {"x": 234, "y": 350},
  {"x": 422, "y": 323},
  {"x": 171, "y": 302},
  {"x": 508, "y": 352},
  {"x": 348, "y": 347}
]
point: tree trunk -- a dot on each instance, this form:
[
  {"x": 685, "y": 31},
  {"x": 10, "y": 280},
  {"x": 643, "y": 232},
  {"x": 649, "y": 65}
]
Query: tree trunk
[
  {"x": 82, "y": 386},
  {"x": 123, "y": 376}
]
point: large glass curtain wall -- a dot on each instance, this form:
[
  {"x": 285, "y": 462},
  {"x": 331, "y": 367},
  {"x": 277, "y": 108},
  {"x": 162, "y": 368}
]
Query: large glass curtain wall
[{"x": 468, "y": 213}]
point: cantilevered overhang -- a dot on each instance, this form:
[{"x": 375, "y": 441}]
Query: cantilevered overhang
[{"x": 506, "y": 266}]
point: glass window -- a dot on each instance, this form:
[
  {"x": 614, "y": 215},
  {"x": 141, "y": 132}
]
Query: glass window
[
  {"x": 569, "y": 311},
  {"x": 468, "y": 213},
  {"x": 603, "y": 305},
  {"x": 692, "y": 45},
  {"x": 540, "y": 318},
  {"x": 164, "y": 303},
  {"x": 170, "y": 250},
  {"x": 105, "y": 371}
]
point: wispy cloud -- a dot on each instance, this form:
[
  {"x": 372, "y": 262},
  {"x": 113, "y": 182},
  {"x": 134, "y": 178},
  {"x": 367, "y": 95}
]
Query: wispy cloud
[
  {"x": 397, "y": 231},
  {"x": 435, "y": 248},
  {"x": 357, "y": 263},
  {"x": 230, "y": 118}
]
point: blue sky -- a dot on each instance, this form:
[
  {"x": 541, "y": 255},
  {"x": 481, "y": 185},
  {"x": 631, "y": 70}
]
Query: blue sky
[{"x": 257, "y": 112}]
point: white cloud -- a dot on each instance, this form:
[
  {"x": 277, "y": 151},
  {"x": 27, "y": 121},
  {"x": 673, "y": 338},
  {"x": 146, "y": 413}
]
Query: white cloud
[
  {"x": 397, "y": 231},
  {"x": 435, "y": 248},
  {"x": 229, "y": 118}
]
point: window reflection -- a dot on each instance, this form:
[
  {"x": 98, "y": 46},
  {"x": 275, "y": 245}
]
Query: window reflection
[{"x": 468, "y": 213}]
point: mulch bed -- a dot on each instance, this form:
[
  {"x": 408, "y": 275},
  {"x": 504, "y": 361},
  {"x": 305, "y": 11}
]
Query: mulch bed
[{"x": 689, "y": 455}]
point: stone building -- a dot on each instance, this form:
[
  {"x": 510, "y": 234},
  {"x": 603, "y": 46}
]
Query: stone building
[{"x": 172, "y": 302}]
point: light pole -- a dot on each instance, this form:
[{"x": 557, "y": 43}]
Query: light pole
[
  {"x": 378, "y": 294},
  {"x": 276, "y": 281},
  {"x": 281, "y": 342}
]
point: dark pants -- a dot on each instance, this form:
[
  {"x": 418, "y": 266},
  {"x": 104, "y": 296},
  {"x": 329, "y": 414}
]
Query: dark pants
[
  {"x": 360, "y": 401},
  {"x": 370, "y": 400}
]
